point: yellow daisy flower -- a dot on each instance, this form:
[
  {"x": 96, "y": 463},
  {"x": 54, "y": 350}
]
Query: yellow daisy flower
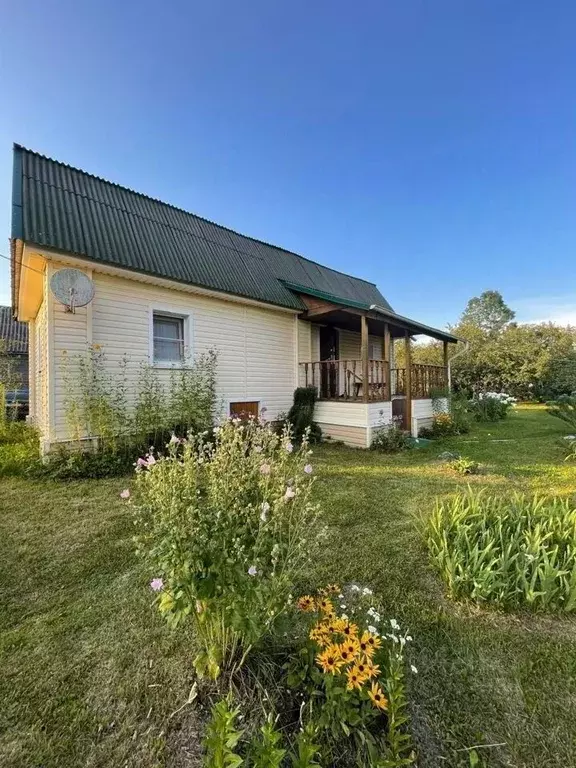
[
  {"x": 369, "y": 643},
  {"x": 330, "y": 660},
  {"x": 320, "y": 636},
  {"x": 306, "y": 603},
  {"x": 355, "y": 679},
  {"x": 377, "y": 697},
  {"x": 350, "y": 630},
  {"x": 326, "y": 606}
]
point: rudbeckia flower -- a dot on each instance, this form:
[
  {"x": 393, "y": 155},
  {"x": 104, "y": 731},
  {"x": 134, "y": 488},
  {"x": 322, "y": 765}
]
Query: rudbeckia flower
[
  {"x": 377, "y": 697},
  {"x": 330, "y": 660}
]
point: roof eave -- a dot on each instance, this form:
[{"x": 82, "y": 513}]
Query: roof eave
[{"x": 414, "y": 326}]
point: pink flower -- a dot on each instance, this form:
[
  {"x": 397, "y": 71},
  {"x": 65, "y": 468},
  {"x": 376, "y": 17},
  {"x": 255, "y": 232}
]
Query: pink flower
[
  {"x": 265, "y": 469},
  {"x": 290, "y": 493},
  {"x": 151, "y": 460},
  {"x": 156, "y": 584},
  {"x": 252, "y": 571},
  {"x": 141, "y": 463},
  {"x": 308, "y": 469},
  {"x": 289, "y": 447},
  {"x": 125, "y": 494}
]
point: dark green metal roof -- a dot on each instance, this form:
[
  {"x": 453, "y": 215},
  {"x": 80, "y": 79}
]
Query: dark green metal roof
[{"x": 60, "y": 207}]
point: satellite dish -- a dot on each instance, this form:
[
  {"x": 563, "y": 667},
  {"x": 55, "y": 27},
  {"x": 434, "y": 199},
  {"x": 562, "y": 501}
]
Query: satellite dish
[{"x": 72, "y": 288}]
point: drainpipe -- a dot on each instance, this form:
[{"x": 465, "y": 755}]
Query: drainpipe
[{"x": 466, "y": 348}]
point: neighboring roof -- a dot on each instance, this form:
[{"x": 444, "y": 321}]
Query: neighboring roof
[
  {"x": 13, "y": 332},
  {"x": 60, "y": 207}
]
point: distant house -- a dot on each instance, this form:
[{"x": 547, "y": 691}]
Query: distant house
[
  {"x": 166, "y": 280},
  {"x": 14, "y": 350}
]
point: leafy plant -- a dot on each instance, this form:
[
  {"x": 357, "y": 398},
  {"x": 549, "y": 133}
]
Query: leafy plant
[
  {"x": 571, "y": 454},
  {"x": 225, "y": 527},
  {"x": 348, "y": 670},
  {"x": 301, "y": 414},
  {"x": 265, "y": 751},
  {"x": 564, "y": 408},
  {"x": 222, "y": 736},
  {"x": 513, "y": 551},
  {"x": 491, "y": 406},
  {"x": 307, "y": 750},
  {"x": 465, "y": 466},
  {"x": 390, "y": 437}
]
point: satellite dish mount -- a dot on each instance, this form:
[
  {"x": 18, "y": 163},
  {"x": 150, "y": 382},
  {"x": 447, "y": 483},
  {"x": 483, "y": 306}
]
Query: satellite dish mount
[{"x": 72, "y": 288}]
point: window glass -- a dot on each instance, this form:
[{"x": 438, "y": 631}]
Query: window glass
[{"x": 168, "y": 338}]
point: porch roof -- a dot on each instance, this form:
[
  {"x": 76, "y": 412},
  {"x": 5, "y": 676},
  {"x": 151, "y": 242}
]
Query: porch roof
[{"x": 333, "y": 310}]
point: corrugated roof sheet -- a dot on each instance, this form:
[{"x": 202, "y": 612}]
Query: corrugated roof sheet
[
  {"x": 61, "y": 207},
  {"x": 13, "y": 332}
]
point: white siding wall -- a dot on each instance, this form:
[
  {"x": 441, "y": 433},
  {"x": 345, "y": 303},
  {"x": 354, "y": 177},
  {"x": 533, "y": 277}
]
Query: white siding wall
[
  {"x": 39, "y": 366},
  {"x": 256, "y": 346}
]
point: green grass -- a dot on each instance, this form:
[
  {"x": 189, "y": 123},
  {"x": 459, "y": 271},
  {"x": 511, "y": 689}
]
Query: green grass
[{"x": 90, "y": 675}]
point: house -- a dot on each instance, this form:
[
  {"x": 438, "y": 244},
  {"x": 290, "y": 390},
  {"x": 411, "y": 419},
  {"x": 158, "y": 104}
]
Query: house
[
  {"x": 14, "y": 358},
  {"x": 165, "y": 280}
]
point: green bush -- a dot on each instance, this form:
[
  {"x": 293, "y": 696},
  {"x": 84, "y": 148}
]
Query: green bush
[
  {"x": 19, "y": 448},
  {"x": 390, "y": 438},
  {"x": 514, "y": 552},
  {"x": 224, "y": 528},
  {"x": 301, "y": 414},
  {"x": 491, "y": 406},
  {"x": 564, "y": 408}
]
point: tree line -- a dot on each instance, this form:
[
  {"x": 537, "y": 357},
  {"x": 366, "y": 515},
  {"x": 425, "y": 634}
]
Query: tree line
[{"x": 534, "y": 361}]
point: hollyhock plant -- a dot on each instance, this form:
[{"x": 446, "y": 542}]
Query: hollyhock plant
[{"x": 212, "y": 517}]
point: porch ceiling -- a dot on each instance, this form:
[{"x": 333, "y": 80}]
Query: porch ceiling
[{"x": 349, "y": 318}]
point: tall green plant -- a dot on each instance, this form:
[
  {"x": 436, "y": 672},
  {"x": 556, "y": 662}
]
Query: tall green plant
[
  {"x": 564, "y": 408},
  {"x": 225, "y": 528},
  {"x": 513, "y": 551},
  {"x": 222, "y": 736}
]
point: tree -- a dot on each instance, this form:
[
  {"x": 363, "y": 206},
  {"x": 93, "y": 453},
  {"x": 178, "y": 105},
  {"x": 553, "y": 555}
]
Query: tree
[{"x": 489, "y": 312}]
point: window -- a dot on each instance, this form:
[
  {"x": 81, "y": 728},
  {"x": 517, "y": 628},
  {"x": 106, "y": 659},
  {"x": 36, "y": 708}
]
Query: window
[
  {"x": 168, "y": 338},
  {"x": 244, "y": 409}
]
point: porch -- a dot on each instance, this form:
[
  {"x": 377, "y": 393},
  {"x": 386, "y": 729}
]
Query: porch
[{"x": 351, "y": 362}]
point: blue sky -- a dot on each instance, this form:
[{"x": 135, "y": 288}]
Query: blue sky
[{"x": 427, "y": 146}]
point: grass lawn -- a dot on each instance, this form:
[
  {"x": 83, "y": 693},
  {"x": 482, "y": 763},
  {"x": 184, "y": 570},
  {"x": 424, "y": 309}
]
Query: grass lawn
[{"x": 90, "y": 675}]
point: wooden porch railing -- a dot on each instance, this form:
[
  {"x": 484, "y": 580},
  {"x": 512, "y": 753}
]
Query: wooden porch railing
[
  {"x": 343, "y": 380},
  {"x": 425, "y": 379}
]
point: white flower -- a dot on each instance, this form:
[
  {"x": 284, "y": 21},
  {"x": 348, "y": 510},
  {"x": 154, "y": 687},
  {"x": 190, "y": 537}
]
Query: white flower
[
  {"x": 394, "y": 624},
  {"x": 408, "y": 638},
  {"x": 290, "y": 493},
  {"x": 289, "y": 447},
  {"x": 264, "y": 513},
  {"x": 125, "y": 494},
  {"x": 367, "y": 591},
  {"x": 265, "y": 469},
  {"x": 340, "y": 597},
  {"x": 342, "y": 606},
  {"x": 257, "y": 449},
  {"x": 372, "y": 629},
  {"x": 413, "y": 668},
  {"x": 308, "y": 469},
  {"x": 174, "y": 439},
  {"x": 252, "y": 571},
  {"x": 355, "y": 588},
  {"x": 344, "y": 616}
]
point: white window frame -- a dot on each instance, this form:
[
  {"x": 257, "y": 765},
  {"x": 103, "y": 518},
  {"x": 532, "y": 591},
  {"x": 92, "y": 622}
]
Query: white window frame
[{"x": 169, "y": 311}]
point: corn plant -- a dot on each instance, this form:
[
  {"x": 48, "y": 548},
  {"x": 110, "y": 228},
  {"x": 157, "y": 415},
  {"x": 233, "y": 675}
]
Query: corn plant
[{"x": 515, "y": 551}]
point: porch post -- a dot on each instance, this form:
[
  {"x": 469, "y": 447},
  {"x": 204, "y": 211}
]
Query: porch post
[
  {"x": 386, "y": 358},
  {"x": 408, "y": 380},
  {"x": 364, "y": 356},
  {"x": 445, "y": 354}
]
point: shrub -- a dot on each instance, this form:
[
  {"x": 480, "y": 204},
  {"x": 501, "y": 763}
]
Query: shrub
[
  {"x": 19, "y": 448},
  {"x": 225, "y": 528},
  {"x": 96, "y": 405},
  {"x": 491, "y": 406},
  {"x": 390, "y": 438},
  {"x": 513, "y": 551},
  {"x": 564, "y": 408},
  {"x": 301, "y": 414},
  {"x": 464, "y": 466}
]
